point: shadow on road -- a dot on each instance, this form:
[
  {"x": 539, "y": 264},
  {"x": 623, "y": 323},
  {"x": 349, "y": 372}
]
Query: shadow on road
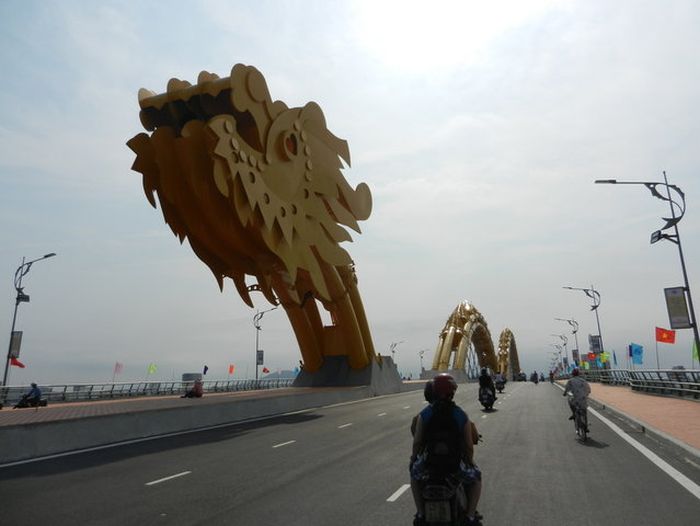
[
  {"x": 112, "y": 454},
  {"x": 593, "y": 443}
]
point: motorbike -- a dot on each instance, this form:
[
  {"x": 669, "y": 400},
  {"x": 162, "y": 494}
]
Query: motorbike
[
  {"x": 445, "y": 501},
  {"x": 500, "y": 385},
  {"x": 486, "y": 398},
  {"x": 24, "y": 402}
]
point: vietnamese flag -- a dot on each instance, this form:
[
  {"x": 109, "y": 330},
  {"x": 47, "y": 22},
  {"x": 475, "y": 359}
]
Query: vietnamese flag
[
  {"x": 231, "y": 368},
  {"x": 17, "y": 363},
  {"x": 266, "y": 370},
  {"x": 665, "y": 335}
]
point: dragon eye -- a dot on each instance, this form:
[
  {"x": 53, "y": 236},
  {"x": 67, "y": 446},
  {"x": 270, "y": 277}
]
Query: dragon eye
[{"x": 290, "y": 145}]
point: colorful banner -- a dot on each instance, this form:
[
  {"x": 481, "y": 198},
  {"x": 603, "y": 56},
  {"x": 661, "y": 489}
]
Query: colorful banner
[
  {"x": 231, "y": 368},
  {"x": 637, "y": 353},
  {"x": 152, "y": 368}
]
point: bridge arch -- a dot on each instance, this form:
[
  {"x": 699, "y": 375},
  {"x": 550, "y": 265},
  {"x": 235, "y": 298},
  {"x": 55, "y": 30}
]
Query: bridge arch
[
  {"x": 466, "y": 329},
  {"x": 508, "y": 362}
]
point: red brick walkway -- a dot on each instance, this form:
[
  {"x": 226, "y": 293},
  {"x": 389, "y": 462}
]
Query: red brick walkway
[{"x": 675, "y": 417}]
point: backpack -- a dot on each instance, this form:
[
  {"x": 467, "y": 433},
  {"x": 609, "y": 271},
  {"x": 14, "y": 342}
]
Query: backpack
[{"x": 442, "y": 440}]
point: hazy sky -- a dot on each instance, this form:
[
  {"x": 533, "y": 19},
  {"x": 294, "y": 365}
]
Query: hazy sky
[{"x": 479, "y": 127}]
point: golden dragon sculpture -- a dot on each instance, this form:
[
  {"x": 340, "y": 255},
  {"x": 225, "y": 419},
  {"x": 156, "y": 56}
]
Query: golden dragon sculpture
[{"x": 257, "y": 189}]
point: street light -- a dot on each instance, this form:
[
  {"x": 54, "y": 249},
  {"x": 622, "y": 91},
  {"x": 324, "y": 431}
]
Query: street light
[
  {"x": 595, "y": 296},
  {"x": 421, "y": 353},
  {"x": 256, "y": 322},
  {"x": 564, "y": 340},
  {"x": 574, "y": 330},
  {"x": 558, "y": 353},
  {"x": 670, "y": 222},
  {"x": 392, "y": 348},
  {"x": 21, "y": 271}
]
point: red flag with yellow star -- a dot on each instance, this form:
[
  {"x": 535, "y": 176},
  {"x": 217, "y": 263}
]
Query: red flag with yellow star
[{"x": 665, "y": 335}]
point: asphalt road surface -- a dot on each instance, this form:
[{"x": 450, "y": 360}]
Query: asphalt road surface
[{"x": 347, "y": 465}]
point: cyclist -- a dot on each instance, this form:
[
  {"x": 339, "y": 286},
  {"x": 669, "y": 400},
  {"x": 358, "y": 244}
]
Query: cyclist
[
  {"x": 443, "y": 445},
  {"x": 578, "y": 386}
]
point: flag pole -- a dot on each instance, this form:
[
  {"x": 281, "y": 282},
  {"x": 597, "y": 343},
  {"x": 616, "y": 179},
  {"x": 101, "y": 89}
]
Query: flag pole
[{"x": 657, "y": 354}]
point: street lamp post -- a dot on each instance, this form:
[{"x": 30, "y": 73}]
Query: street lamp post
[
  {"x": 421, "y": 353},
  {"x": 21, "y": 271},
  {"x": 670, "y": 222},
  {"x": 564, "y": 340},
  {"x": 595, "y": 296},
  {"x": 392, "y": 348},
  {"x": 574, "y": 330},
  {"x": 558, "y": 353},
  {"x": 256, "y": 322}
]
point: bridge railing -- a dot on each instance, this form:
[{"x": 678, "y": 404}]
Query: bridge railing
[
  {"x": 112, "y": 391},
  {"x": 679, "y": 382}
]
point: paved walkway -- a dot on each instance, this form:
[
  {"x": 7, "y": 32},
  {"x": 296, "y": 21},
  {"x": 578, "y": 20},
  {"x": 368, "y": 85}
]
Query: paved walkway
[
  {"x": 675, "y": 417},
  {"x": 76, "y": 410}
]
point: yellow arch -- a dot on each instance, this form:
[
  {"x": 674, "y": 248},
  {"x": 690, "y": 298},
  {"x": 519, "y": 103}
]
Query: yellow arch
[
  {"x": 464, "y": 326},
  {"x": 508, "y": 361}
]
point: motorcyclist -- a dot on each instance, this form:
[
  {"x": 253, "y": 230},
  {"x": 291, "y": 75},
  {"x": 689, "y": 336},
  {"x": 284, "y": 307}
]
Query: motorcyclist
[
  {"x": 445, "y": 424},
  {"x": 486, "y": 382},
  {"x": 578, "y": 386},
  {"x": 33, "y": 396}
]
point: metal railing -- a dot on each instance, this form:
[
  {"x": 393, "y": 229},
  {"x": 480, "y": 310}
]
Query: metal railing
[
  {"x": 679, "y": 382},
  {"x": 112, "y": 391}
]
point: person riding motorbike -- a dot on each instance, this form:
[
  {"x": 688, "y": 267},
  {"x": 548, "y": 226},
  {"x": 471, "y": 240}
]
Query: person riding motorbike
[
  {"x": 443, "y": 445},
  {"x": 580, "y": 389},
  {"x": 486, "y": 382},
  {"x": 34, "y": 395},
  {"x": 30, "y": 399}
]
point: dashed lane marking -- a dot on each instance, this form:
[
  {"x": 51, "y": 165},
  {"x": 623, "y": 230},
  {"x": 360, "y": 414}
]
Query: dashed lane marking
[
  {"x": 398, "y": 493},
  {"x": 168, "y": 478},
  {"x": 284, "y": 443},
  {"x": 407, "y": 407},
  {"x": 484, "y": 416},
  {"x": 345, "y": 425}
]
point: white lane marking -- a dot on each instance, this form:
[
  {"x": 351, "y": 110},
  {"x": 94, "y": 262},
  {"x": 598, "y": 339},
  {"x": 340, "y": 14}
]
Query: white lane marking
[
  {"x": 484, "y": 416},
  {"x": 284, "y": 443},
  {"x": 398, "y": 493},
  {"x": 344, "y": 425},
  {"x": 664, "y": 466},
  {"x": 381, "y": 414},
  {"x": 499, "y": 403},
  {"x": 407, "y": 407},
  {"x": 168, "y": 478}
]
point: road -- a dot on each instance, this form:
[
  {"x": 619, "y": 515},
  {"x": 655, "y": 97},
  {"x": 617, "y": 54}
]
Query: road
[{"x": 347, "y": 465}]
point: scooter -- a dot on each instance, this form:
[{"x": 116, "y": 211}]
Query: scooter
[
  {"x": 24, "y": 402},
  {"x": 486, "y": 398},
  {"x": 445, "y": 502},
  {"x": 500, "y": 385}
]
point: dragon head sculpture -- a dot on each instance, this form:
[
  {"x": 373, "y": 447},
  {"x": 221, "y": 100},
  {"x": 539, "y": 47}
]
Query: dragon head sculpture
[{"x": 257, "y": 189}]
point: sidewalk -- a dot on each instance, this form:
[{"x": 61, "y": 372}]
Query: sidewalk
[{"x": 676, "y": 418}]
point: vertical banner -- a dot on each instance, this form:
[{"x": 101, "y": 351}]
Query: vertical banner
[
  {"x": 575, "y": 356},
  {"x": 677, "y": 308},
  {"x": 15, "y": 343},
  {"x": 260, "y": 357}
]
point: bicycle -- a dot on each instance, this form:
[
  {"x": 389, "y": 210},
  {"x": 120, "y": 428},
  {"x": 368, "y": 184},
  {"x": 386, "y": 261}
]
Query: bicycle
[{"x": 581, "y": 422}]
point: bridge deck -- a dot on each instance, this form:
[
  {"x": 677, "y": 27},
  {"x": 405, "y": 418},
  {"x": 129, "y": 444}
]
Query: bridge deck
[{"x": 674, "y": 417}]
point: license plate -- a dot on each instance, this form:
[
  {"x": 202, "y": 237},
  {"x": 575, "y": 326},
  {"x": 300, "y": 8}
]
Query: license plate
[{"x": 437, "y": 511}]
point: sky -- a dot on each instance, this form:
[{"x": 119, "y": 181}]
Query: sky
[{"x": 478, "y": 126}]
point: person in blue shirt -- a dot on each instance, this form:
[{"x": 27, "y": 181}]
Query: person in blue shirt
[
  {"x": 443, "y": 445},
  {"x": 34, "y": 395}
]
